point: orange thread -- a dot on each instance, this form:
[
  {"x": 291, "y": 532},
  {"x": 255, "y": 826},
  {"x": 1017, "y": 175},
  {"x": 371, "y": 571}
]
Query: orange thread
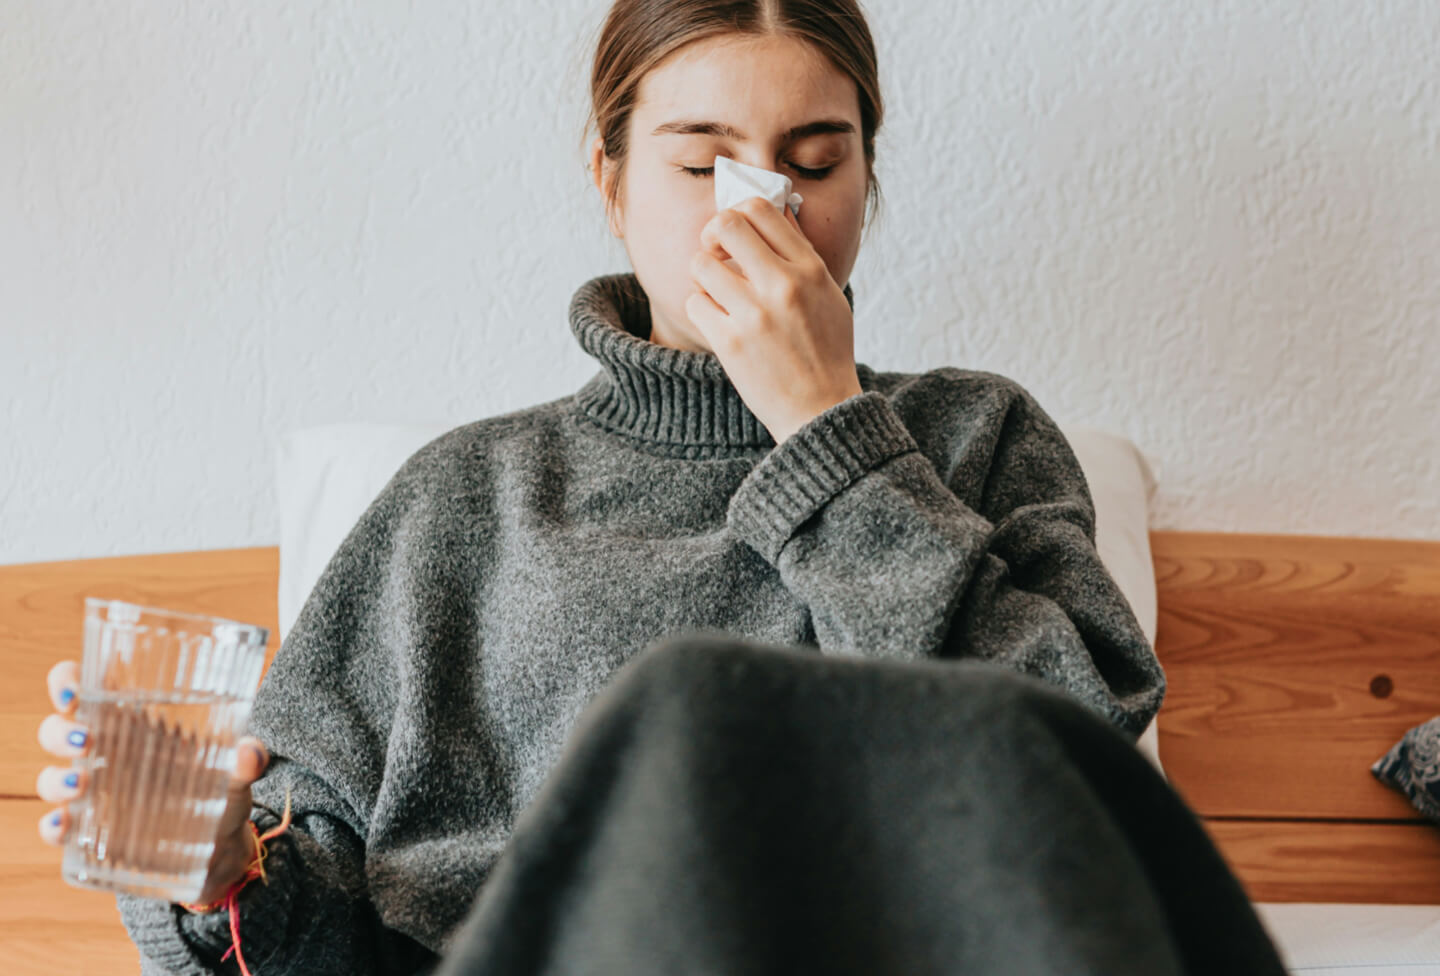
[{"x": 255, "y": 869}]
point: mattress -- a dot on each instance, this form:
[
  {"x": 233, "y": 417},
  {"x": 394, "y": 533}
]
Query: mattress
[{"x": 1322, "y": 939}]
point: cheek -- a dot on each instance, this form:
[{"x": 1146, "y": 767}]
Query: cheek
[
  {"x": 833, "y": 225},
  {"x": 674, "y": 241},
  {"x": 838, "y": 208},
  {"x": 827, "y": 224},
  {"x": 667, "y": 227}
]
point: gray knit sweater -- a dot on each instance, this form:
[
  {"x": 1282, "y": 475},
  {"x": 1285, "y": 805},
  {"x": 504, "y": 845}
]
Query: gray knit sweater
[{"x": 513, "y": 564}]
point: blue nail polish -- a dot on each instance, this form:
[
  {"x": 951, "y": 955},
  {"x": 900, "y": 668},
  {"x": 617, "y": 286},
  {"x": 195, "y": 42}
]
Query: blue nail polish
[
  {"x": 73, "y": 780},
  {"x": 76, "y": 738},
  {"x": 65, "y": 696},
  {"x": 55, "y": 819}
]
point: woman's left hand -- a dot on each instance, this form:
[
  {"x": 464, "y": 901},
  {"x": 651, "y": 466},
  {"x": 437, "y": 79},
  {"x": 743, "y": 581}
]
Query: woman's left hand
[{"x": 783, "y": 330}]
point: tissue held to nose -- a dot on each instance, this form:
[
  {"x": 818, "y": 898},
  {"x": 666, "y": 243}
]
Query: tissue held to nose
[{"x": 736, "y": 181}]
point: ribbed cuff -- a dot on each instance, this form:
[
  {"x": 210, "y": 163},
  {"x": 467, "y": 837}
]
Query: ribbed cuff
[
  {"x": 180, "y": 941},
  {"x": 811, "y": 466}
]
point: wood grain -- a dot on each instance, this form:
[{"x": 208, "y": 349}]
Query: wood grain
[
  {"x": 1332, "y": 861},
  {"x": 1293, "y": 664},
  {"x": 46, "y": 925}
]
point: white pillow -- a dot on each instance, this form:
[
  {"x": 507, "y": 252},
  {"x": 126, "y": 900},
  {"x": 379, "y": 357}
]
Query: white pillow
[{"x": 328, "y": 475}]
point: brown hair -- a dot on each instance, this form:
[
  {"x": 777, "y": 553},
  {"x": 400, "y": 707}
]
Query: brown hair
[{"x": 637, "y": 35}]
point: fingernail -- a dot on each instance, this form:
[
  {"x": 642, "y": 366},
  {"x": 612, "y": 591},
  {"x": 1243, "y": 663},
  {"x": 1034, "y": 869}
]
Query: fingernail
[
  {"x": 76, "y": 738},
  {"x": 55, "y": 819},
  {"x": 66, "y": 695},
  {"x": 73, "y": 780}
]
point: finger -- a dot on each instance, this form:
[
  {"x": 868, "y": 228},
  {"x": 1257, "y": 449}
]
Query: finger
[
  {"x": 61, "y": 737},
  {"x": 251, "y": 758},
  {"x": 735, "y": 233},
  {"x": 59, "y": 784},
  {"x": 53, "y": 826},
  {"x": 63, "y": 682},
  {"x": 708, "y": 317},
  {"x": 793, "y": 220},
  {"x": 238, "y": 801},
  {"x": 783, "y": 238},
  {"x": 725, "y": 288}
]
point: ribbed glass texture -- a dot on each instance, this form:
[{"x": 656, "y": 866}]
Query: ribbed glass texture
[{"x": 164, "y": 696}]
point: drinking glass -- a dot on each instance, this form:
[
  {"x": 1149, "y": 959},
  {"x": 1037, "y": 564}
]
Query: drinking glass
[{"x": 164, "y": 696}]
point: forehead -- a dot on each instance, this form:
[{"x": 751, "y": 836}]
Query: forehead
[{"x": 731, "y": 79}]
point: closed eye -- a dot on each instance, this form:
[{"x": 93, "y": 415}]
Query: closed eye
[{"x": 809, "y": 174}]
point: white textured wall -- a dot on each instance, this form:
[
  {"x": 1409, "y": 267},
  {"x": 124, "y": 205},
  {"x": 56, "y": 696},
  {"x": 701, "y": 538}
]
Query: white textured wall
[{"x": 1213, "y": 227}]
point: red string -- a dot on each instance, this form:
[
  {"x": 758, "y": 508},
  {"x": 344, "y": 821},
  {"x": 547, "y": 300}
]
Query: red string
[{"x": 256, "y": 869}]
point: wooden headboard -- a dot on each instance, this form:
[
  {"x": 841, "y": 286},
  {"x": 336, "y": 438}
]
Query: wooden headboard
[{"x": 1293, "y": 663}]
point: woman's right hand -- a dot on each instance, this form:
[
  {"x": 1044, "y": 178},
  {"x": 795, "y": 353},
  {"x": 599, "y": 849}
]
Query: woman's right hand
[{"x": 61, "y": 736}]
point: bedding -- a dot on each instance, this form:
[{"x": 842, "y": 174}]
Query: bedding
[
  {"x": 991, "y": 824},
  {"x": 1321, "y": 939}
]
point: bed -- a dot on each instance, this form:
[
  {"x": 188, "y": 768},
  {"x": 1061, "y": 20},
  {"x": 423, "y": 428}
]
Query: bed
[{"x": 1293, "y": 662}]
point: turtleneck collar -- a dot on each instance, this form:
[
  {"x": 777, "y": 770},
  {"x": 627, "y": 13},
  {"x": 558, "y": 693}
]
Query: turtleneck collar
[{"x": 679, "y": 401}]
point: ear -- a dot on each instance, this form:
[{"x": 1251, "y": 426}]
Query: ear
[{"x": 602, "y": 171}]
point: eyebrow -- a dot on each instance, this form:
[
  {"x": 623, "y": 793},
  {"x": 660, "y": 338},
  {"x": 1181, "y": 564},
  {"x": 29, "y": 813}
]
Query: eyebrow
[{"x": 693, "y": 127}]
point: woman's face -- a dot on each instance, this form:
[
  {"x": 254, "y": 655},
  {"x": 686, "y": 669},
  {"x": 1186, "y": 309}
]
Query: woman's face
[{"x": 761, "y": 88}]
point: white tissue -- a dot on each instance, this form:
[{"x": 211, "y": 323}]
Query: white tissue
[{"x": 736, "y": 181}]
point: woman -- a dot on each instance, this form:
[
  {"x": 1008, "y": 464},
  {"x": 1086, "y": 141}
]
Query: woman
[{"x": 745, "y": 653}]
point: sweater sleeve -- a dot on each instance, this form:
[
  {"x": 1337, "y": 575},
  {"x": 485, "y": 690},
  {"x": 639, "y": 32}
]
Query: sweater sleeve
[
  {"x": 892, "y": 563},
  {"x": 324, "y": 710},
  {"x": 308, "y": 915}
]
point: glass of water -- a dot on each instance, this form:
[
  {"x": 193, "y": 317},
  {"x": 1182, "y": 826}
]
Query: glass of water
[{"x": 164, "y": 695}]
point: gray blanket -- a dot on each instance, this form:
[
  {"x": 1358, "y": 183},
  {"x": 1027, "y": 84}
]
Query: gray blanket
[{"x": 729, "y": 806}]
